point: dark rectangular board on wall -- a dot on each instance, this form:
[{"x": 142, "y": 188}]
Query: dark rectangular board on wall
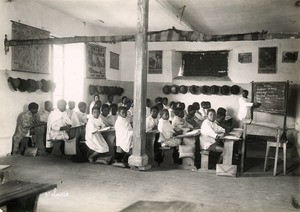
[{"x": 271, "y": 95}]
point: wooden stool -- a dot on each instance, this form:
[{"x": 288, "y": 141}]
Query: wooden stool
[
  {"x": 272, "y": 143},
  {"x": 204, "y": 159}
]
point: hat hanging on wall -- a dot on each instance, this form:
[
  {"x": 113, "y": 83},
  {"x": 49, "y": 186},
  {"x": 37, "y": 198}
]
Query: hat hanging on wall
[
  {"x": 174, "y": 89},
  {"x": 91, "y": 89},
  {"x": 14, "y": 83},
  {"x": 194, "y": 89},
  {"x": 166, "y": 89},
  {"x": 39, "y": 84},
  {"x": 32, "y": 85},
  {"x": 45, "y": 85},
  {"x": 204, "y": 89},
  {"x": 214, "y": 89},
  {"x": 235, "y": 89},
  {"x": 225, "y": 90},
  {"x": 23, "y": 85},
  {"x": 183, "y": 89}
]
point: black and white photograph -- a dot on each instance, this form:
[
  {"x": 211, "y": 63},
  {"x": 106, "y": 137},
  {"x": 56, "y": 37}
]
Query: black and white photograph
[{"x": 150, "y": 105}]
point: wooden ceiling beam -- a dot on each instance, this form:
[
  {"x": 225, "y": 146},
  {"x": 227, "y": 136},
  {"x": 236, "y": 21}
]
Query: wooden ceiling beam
[{"x": 175, "y": 13}]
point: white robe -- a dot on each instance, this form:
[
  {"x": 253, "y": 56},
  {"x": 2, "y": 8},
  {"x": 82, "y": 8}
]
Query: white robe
[
  {"x": 166, "y": 130},
  {"x": 179, "y": 123},
  {"x": 79, "y": 119},
  {"x": 244, "y": 110},
  {"x": 94, "y": 139},
  {"x": 151, "y": 123},
  {"x": 56, "y": 120},
  {"x": 209, "y": 132},
  {"x": 124, "y": 134}
]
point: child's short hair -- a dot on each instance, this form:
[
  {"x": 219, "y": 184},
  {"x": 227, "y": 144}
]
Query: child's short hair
[
  {"x": 196, "y": 105},
  {"x": 163, "y": 111},
  {"x": 105, "y": 106},
  {"x": 154, "y": 108},
  {"x": 177, "y": 111},
  {"x": 114, "y": 105},
  {"x": 122, "y": 108},
  {"x": 211, "y": 110},
  {"x": 172, "y": 103},
  {"x": 81, "y": 104},
  {"x": 96, "y": 108},
  {"x": 190, "y": 108}
]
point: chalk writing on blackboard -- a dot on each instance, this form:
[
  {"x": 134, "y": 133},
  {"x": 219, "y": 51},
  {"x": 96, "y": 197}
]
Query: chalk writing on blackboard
[{"x": 271, "y": 95}]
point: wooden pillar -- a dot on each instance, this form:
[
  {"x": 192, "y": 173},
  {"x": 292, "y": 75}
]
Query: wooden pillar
[{"x": 138, "y": 158}]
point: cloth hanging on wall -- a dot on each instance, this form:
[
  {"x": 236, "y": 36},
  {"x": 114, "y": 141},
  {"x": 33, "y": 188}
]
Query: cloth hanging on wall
[{"x": 30, "y": 58}]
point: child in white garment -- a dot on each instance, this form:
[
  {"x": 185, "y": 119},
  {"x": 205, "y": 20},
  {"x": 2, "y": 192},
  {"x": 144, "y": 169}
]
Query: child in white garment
[
  {"x": 167, "y": 133},
  {"x": 210, "y": 133},
  {"x": 124, "y": 133},
  {"x": 94, "y": 138}
]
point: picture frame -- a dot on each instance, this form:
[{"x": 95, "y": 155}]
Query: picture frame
[
  {"x": 95, "y": 61},
  {"x": 114, "y": 60},
  {"x": 267, "y": 60},
  {"x": 245, "y": 57},
  {"x": 155, "y": 59},
  {"x": 289, "y": 57}
]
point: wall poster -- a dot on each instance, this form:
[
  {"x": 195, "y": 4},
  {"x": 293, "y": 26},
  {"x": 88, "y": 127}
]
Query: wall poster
[
  {"x": 95, "y": 61},
  {"x": 155, "y": 62},
  {"x": 245, "y": 57},
  {"x": 114, "y": 60},
  {"x": 29, "y": 58},
  {"x": 267, "y": 60}
]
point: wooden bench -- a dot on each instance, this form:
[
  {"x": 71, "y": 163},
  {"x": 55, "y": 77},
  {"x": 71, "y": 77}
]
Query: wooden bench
[{"x": 22, "y": 196}]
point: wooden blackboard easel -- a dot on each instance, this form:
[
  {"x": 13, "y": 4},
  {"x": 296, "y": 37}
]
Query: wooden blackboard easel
[{"x": 273, "y": 97}]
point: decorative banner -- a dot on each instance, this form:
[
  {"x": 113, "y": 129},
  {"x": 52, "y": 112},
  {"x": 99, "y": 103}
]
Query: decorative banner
[
  {"x": 95, "y": 61},
  {"x": 155, "y": 62},
  {"x": 30, "y": 58},
  {"x": 245, "y": 57},
  {"x": 267, "y": 60},
  {"x": 289, "y": 57},
  {"x": 114, "y": 60}
]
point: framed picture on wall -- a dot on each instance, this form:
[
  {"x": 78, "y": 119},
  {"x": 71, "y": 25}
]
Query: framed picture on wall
[
  {"x": 267, "y": 60},
  {"x": 289, "y": 57},
  {"x": 95, "y": 61},
  {"x": 245, "y": 57},
  {"x": 155, "y": 62},
  {"x": 114, "y": 60}
]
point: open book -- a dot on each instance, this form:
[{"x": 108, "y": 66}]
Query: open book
[{"x": 104, "y": 129}]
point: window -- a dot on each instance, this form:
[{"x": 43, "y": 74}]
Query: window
[
  {"x": 68, "y": 72},
  {"x": 206, "y": 63}
]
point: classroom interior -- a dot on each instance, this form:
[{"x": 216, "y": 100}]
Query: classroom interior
[{"x": 90, "y": 187}]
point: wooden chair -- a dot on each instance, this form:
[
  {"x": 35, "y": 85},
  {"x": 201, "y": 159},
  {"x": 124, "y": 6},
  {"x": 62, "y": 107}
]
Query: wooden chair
[{"x": 272, "y": 143}]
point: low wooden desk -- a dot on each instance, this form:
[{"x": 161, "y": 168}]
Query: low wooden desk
[
  {"x": 149, "y": 147},
  {"x": 22, "y": 196},
  {"x": 189, "y": 139},
  {"x": 261, "y": 129}
]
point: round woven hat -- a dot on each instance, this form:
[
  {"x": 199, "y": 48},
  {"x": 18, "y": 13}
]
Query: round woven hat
[
  {"x": 183, "y": 89},
  {"x": 32, "y": 85},
  {"x": 225, "y": 90},
  {"x": 91, "y": 89},
  {"x": 235, "y": 89},
  {"x": 45, "y": 85},
  {"x": 14, "y": 83},
  {"x": 24, "y": 84},
  {"x": 194, "y": 89},
  {"x": 174, "y": 89},
  {"x": 204, "y": 89},
  {"x": 166, "y": 89},
  {"x": 214, "y": 89}
]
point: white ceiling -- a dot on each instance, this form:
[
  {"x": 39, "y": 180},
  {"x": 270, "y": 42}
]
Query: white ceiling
[{"x": 206, "y": 16}]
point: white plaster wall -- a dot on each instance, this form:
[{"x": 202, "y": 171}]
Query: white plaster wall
[{"x": 59, "y": 24}]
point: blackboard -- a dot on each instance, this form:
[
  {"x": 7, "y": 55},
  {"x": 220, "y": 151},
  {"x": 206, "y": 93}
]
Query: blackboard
[
  {"x": 271, "y": 95},
  {"x": 207, "y": 63}
]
